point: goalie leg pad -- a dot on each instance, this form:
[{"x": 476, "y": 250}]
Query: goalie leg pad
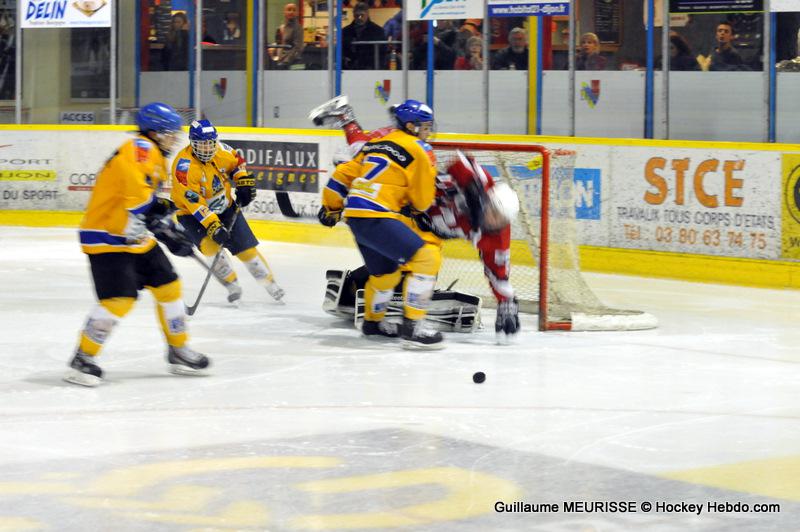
[
  {"x": 340, "y": 291},
  {"x": 449, "y": 311}
]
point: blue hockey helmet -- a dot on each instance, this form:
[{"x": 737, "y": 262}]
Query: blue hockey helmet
[
  {"x": 203, "y": 138},
  {"x": 163, "y": 121},
  {"x": 158, "y": 117},
  {"x": 412, "y": 111}
]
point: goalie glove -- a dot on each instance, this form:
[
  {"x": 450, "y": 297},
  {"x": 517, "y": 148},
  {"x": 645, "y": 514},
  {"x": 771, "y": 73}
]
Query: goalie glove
[
  {"x": 327, "y": 217},
  {"x": 507, "y": 321},
  {"x": 245, "y": 190}
]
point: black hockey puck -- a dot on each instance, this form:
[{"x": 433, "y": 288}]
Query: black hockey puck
[{"x": 478, "y": 377}]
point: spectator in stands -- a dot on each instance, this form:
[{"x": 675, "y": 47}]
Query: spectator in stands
[
  {"x": 444, "y": 38},
  {"x": 474, "y": 58},
  {"x": 470, "y": 28},
  {"x": 362, "y": 56},
  {"x": 393, "y": 29},
  {"x": 589, "y": 57},
  {"x": 723, "y": 57},
  {"x": 176, "y": 48},
  {"x": 290, "y": 35},
  {"x": 680, "y": 55},
  {"x": 232, "y": 34},
  {"x": 515, "y": 56}
]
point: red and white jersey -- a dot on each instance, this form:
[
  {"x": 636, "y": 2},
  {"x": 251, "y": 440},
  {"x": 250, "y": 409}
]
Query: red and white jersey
[{"x": 450, "y": 214}]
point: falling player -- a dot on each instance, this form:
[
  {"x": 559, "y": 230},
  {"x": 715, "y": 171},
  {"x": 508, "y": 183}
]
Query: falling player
[
  {"x": 203, "y": 176},
  {"x": 469, "y": 205},
  {"x": 123, "y": 256}
]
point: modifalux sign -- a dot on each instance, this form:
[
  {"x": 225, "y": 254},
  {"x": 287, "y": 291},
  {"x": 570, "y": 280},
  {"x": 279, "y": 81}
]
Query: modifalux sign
[
  {"x": 65, "y": 13},
  {"x": 444, "y": 9}
]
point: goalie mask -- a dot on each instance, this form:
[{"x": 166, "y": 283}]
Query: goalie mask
[
  {"x": 501, "y": 208},
  {"x": 203, "y": 138}
]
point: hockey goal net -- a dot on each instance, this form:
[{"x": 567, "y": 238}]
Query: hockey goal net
[{"x": 545, "y": 264}]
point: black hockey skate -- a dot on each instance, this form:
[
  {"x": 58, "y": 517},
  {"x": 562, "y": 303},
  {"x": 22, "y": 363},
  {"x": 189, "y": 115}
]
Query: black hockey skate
[
  {"x": 334, "y": 113},
  {"x": 416, "y": 336},
  {"x": 379, "y": 329},
  {"x": 186, "y": 361},
  {"x": 84, "y": 371}
]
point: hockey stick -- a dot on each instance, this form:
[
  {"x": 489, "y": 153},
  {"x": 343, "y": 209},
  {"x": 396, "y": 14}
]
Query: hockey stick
[{"x": 191, "y": 310}]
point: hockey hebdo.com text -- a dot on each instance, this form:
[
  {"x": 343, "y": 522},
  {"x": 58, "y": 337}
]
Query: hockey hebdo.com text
[{"x": 629, "y": 507}]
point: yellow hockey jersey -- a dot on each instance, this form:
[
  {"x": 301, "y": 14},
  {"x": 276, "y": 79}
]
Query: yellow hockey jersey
[
  {"x": 204, "y": 189},
  {"x": 126, "y": 184},
  {"x": 388, "y": 173}
]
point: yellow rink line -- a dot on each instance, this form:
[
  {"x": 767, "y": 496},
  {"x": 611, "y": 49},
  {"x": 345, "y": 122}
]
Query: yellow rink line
[
  {"x": 771, "y": 477},
  {"x": 703, "y": 268}
]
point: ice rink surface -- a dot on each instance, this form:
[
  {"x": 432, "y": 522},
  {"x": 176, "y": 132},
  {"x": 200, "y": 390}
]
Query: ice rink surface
[{"x": 303, "y": 425}]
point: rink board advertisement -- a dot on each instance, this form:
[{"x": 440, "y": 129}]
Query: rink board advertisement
[
  {"x": 740, "y": 203},
  {"x": 695, "y": 201}
]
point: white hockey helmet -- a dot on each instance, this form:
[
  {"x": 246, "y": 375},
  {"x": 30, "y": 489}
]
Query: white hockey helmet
[{"x": 502, "y": 207}]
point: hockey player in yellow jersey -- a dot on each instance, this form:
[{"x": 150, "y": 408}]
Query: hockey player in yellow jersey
[
  {"x": 124, "y": 257},
  {"x": 392, "y": 173},
  {"x": 203, "y": 176}
]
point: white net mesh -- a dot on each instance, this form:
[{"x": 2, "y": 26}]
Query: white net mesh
[{"x": 570, "y": 303}]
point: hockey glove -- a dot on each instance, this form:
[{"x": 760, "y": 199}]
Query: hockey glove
[
  {"x": 507, "y": 317},
  {"x": 424, "y": 221},
  {"x": 327, "y": 217},
  {"x": 245, "y": 190},
  {"x": 173, "y": 237},
  {"x": 217, "y": 232},
  {"x": 161, "y": 207}
]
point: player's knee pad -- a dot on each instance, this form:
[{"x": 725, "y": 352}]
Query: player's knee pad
[
  {"x": 426, "y": 260},
  {"x": 417, "y": 294},
  {"x": 377, "y": 293},
  {"x": 167, "y": 293},
  {"x": 116, "y": 307},
  {"x": 208, "y": 247},
  {"x": 248, "y": 254}
]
